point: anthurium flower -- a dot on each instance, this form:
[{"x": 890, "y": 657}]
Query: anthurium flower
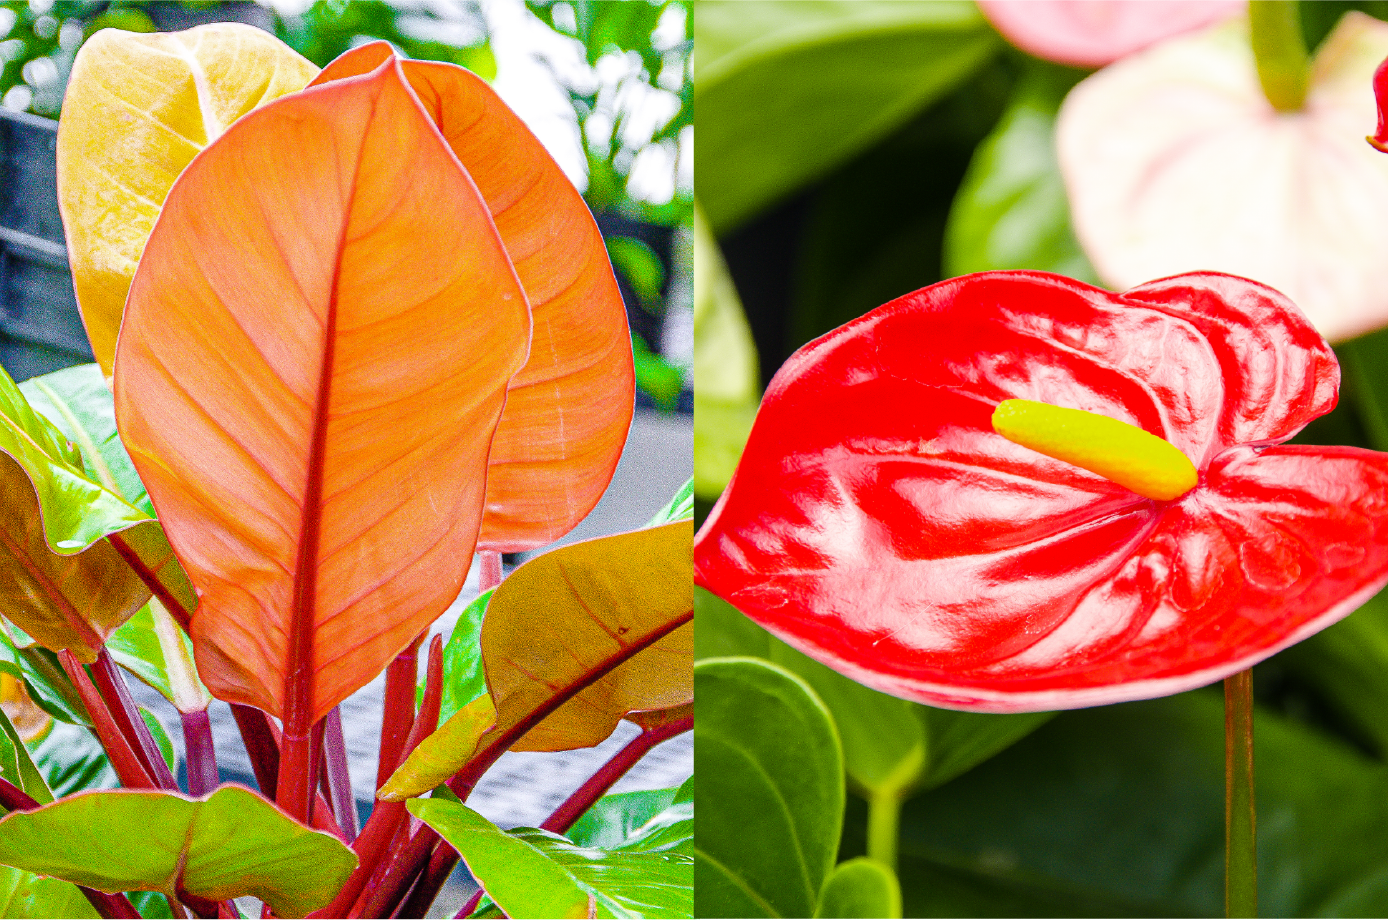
[
  {"x": 1088, "y": 33},
  {"x": 1380, "y": 138},
  {"x": 881, "y": 523},
  {"x": 1175, "y": 161}
]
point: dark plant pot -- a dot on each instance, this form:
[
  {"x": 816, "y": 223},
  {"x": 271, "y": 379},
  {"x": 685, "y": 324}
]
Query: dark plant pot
[{"x": 40, "y": 328}]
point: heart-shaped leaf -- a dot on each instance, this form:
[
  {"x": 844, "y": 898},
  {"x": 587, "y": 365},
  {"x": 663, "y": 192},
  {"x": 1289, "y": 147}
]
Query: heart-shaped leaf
[
  {"x": 70, "y": 586},
  {"x": 309, "y": 374},
  {"x": 865, "y": 67},
  {"x": 228, "y": 844},
  {"x": 138, "y": 108},
  {"x": 771, "y": 791},
  {"x": 568, "y": 410},
  {"x": 532, "y": 873},
  {"x": 601, "y": 627}
]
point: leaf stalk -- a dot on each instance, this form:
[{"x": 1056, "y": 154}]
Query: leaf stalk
[{"x": 1240, "y": 819}]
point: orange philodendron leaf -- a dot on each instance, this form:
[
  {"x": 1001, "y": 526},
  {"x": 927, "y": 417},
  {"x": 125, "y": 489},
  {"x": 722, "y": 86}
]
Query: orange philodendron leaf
[
  {"x": 138, "y": 108},
  {"x": 568, "y": 411},
  {"x": 601, "y": 628},
  {"x": 314, "y": 358}
]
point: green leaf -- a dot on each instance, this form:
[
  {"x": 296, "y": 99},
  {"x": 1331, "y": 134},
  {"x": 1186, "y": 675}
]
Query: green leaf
[
  {"x": 24, "y": 894},
  {"x": 1011, "y": 211},
  {"x": 1119, "y": 811},
  {"x": 72, "y": 587},
  {"x": 861, "y": 887},
  {"x": 233, "y": 843},
  {"x": 463, "y": 677},
  {"x": 18, "y": 767},
  {"x": 532, "y": 873},
  {"x": 43, "y": 677},
  {"x": 862, "y": 67},
  {"x": 161, "y": 738},
  {"x": 151, "y": 904},
  {"x": 155, "y": 649},
  {"x": 724, "y": 631},
  {"x": 771, "y": 791},
  {"x": 614, "y": 818},
  {"x": 71, "y": 759},
  {"x": 79, "y": 403},
  {"x": 656, "y": 377},
  {"x": 726, "y": 389},
  {"x": 669, "y": 831},
  {"x": 679, "y": 508}
]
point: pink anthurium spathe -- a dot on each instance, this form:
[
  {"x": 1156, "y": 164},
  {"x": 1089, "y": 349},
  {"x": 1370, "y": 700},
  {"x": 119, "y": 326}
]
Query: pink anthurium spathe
[
  {"x": 1174, "y": 161},
  {"x": 880, "y": 523},
  {"x": 1088, "y": 33}
]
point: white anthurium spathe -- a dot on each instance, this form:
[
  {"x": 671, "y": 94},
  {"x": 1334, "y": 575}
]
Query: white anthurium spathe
[{"x": 1174, "y": 161}]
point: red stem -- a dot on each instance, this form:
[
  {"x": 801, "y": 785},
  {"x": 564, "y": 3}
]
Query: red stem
[
  {"x": 440, "y": 866},
  {"x": 117, "y": 696},
  {"x": 336, "y": 777},
  {"x": 490, "y": 575},
  {"x": 397, "y": 711},
  {"x": 201, "y": 754},
  {"x": 126, "y": 762},
  {"x": 573, "y": 808},
  {"x": 470, "y": 906},
  {"x": 182, "y": 615},
  {"x": 300, "y": 745},
  {"x": 262, "y": 740},
  {"x": 374, "y": 844},
  {"x": 12, "y": 798},
  {"x": 380, "y": 899}
]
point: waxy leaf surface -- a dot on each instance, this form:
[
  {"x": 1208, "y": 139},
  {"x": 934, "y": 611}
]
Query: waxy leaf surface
[
  {"x": 880, "y": 525},
  {"x": 69, "y": 587},
  {"x": 309, "y": 377},
  {"x": 568, "y": 410},
  {"x": 138, "y": 108},
  {"x": 532, "y": 873},
  {"x": 24, "y": 894},
  {"x": 225, "y": 845},
  {"x": 771, "y": 791},
  {"x": 605, "y": 623}
]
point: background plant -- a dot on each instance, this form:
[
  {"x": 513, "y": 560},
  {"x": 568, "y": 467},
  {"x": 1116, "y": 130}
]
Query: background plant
[{"x": 914, "y": 168}]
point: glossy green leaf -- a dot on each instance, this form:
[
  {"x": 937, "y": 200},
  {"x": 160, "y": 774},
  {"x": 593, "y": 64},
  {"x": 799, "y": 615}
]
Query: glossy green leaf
[
  {"x": 860, "y": 887},
  {"x": 866, "y": 67},
  {"x": 671, "y": 830},
  {"x": 151, "y": 905},
  {"x": 43, "y": 677},
  {"x": 72, "y": 586},
  {"x": 613, "y": 818},
  {"x": 24, "y": 894},
  {"x": 532, "y": 873},
  {"x": 17, "y": 767},
  {"x": 771, "y": 791},
  {"x": 1118, "y": 811},
  {"x": 78, "y": 401},
  {"x": 679, "y": 508},
  {"x": 722, "y": 631},
  {"x": 231, "y": 843},
  {"x": 155, "y": 649},
  {"x": 71, "y": 759},
  {"x": 1011, "y": 211},
  {"x": 161, "y": 738},
  {"x": 463, "y": 677},
  {"x": 726, "y": 384}
]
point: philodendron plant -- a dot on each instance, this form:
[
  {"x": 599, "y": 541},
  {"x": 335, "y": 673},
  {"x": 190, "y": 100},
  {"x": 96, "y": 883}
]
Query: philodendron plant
[{"x": 367, "y": 329}]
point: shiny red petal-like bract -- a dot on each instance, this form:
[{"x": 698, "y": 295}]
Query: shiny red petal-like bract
[
  {"x": 1380, "y": 137},
  {"x": 568, "y": 410},
  {"x": 878, "y": 523}
]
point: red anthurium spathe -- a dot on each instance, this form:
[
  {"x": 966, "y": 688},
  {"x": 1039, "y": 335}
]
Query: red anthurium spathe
[
  {"x": 1380, "y": 138},
  {"x": 879, "y": 523},
  {"x": 1087, "y": 33}
]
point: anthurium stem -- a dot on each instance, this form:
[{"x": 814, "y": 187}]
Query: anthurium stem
[
  {"x": 1284, "y": 67},
  {"x": 336, "y": 776},
  {"x": 1240, "y": 823},
  {"x": 884, "y": 814},
  {"x": 597, "y": 785},
  {"x": 201, "y": 754}
]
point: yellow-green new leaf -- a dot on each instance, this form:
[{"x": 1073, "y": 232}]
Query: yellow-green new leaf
[{"x": 138, "y": 108}]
